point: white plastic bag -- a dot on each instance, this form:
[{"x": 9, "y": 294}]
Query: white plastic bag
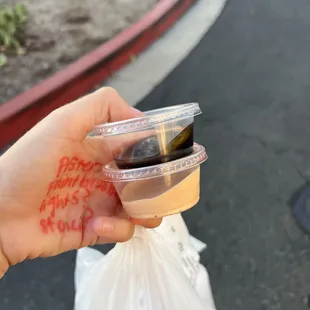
[{"x": 158, "y": 269}]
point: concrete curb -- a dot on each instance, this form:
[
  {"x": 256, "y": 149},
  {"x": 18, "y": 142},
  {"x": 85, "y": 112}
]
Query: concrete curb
[{"x": 24, "y": 111}]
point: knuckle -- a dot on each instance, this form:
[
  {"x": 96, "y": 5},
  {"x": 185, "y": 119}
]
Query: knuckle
[{"x": 110, "y": 91}]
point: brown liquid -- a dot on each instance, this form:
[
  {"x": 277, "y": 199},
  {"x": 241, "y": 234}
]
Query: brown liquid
[{"x": 146, "y": 152}]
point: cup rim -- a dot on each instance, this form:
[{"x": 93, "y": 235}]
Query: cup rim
[
  {"x": 111, "y": 173},
  {"x": 148, "y": 120}
]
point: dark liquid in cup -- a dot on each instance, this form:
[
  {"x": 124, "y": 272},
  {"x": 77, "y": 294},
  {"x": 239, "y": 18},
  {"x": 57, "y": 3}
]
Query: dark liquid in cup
[{"x": 146, "y": 152}]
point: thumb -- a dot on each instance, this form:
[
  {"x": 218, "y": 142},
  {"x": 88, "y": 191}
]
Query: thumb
[
  {"x": 113, "y": 229},
  {"x": 104, "y": 105}
]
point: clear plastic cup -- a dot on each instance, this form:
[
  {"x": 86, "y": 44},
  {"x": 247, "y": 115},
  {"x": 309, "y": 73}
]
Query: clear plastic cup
[
  {"x": 159, "y": 190},
  {"x": 157, "y": 137}
]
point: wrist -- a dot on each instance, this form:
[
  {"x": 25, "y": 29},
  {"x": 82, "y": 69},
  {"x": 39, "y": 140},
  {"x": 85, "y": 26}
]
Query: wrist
[{"x": 4, "y": 262}]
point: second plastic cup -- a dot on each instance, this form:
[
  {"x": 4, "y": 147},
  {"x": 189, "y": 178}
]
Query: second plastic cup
[
  {"x": 157, "y": 137},
  {"x": 159, "y": 190}
]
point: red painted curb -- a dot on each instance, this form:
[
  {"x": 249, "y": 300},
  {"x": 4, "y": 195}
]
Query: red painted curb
[{"x": 24, "y": 111}]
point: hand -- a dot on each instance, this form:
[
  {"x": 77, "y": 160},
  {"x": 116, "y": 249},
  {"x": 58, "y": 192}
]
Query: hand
[{"x": 51, "y": 196}]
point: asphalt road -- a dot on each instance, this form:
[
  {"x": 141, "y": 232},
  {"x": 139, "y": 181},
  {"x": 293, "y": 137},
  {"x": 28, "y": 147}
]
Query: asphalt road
[{"x": 251, "y": 75}]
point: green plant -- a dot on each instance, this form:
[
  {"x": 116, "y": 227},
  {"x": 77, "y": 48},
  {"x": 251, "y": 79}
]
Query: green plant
[{"x": 12, "y": 20}]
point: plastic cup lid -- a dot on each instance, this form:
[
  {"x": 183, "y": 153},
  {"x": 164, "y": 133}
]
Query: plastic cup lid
[
  {"x": 113, "y": 174},
  {"x": 150, "y": 118}
]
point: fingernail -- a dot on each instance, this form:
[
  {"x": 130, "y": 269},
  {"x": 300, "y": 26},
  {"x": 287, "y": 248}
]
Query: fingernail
[
  {"x": 104, "y": 225},
  {"x": 107, "y": 226}
]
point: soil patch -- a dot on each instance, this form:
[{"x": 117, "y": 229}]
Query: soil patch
[{"x": 59, "y": 32}]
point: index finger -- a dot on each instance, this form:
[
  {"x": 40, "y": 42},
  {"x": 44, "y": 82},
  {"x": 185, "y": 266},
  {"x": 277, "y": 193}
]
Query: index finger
[{"x": 104, "y": 105}]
